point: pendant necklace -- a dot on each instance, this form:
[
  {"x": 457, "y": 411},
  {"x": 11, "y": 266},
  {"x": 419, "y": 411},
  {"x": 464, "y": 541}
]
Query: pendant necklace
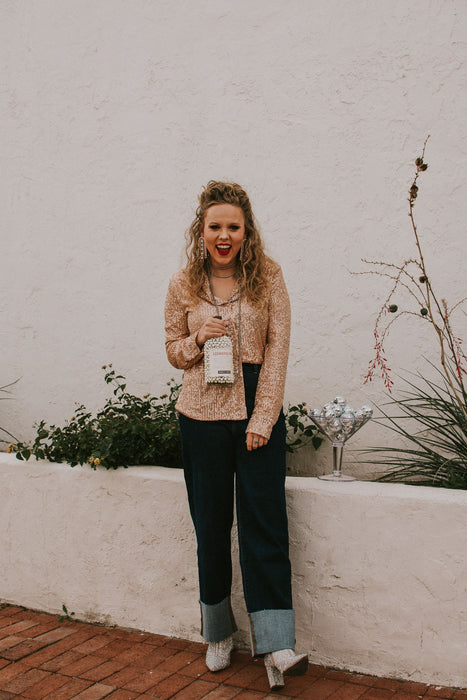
[{"x": 218, "y": 352}]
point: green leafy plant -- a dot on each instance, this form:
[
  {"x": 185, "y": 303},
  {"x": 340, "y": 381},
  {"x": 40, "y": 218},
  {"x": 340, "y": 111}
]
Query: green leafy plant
[
  {"x": 431, "y": 422},
  {"x": 68, "y": 616},
  {"x": 128, "y": 430},
  {"x": 300, "y": 430}
]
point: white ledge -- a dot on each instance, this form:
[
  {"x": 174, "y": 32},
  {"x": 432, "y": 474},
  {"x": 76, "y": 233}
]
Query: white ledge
[{"x": 379, "y": 569}]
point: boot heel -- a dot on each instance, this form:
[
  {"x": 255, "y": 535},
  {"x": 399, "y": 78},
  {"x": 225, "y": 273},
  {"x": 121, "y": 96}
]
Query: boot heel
[{"x": 275, "y": 677}]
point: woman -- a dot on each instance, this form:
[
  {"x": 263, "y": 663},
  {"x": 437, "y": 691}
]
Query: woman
[{"x": 232, "y": 425}]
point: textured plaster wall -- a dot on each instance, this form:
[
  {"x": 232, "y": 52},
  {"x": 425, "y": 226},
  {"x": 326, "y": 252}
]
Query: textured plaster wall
[
  {"x": 115, "y": 113},
  {"x": 379, "y": 570}
]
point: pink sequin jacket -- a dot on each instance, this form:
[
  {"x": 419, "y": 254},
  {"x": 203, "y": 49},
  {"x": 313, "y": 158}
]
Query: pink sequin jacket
[{"x": 265, "y": 335}]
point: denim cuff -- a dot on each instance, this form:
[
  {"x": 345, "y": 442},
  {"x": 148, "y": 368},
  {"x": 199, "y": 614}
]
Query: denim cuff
[
  {"x": 217, "y": 621},
  {"x": 271, "y": 630}
]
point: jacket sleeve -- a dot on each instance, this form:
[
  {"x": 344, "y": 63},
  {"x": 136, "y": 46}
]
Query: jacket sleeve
[
  {"x": 181, "y": 347},
  {"x": 271, "y": 383}
]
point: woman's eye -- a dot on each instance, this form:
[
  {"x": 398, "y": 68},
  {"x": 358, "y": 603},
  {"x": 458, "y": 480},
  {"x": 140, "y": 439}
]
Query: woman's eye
[
  {"x": 213, "y": 227},
  {"x": 234, "y": 227}
]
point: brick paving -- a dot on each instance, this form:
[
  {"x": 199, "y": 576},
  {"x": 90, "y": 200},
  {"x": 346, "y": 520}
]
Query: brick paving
[{"x": 42, "y": 658}]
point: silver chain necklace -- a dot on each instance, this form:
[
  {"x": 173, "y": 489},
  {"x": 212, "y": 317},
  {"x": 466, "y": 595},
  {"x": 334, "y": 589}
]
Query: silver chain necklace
[{"x": 223, "y": 277}]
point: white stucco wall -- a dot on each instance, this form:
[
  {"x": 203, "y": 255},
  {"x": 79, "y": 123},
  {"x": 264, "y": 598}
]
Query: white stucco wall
[
  {"x": 379, "y": 570},
  {"x": 114, "y": 114}
]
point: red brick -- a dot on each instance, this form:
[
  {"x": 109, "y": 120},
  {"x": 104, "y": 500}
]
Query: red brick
[
  {"x": 349, "y": 691},
  {"x": 224, "y": 692},
  {"x": 177, "y": 661},
  {"x": 438, "y": 691},
  {"x": 60, "y": 661},
  {"x": 378, "y": 694},
  {"x": 318, "y": 671},
  {"x": 83, "y": 664},
  {"x": 360, "y": 679},
  {"x": 16, "y": 627},
  {"x": 157, "y": 656},
  {"x": 114, "y": 647},
  {"x": 123, "y": 695},
  {"x": 319, "y": 690},
  {"x": 43, "y": 688},
  {"x": 388, "y": 684},
  {"x": 92, "y": 644},
  {"x": 6, "y": 696},
  {"x": 98, "y": 673},
  {"x": 169, "y": 687},
  {"x": 405, "y": 696},
  {"x": 69, "y": 690},
  {"x": 156, "y": 639},
  {"x": 25, "y": 680},
  {"x": 9, "y": 610},
  {"x": 54, "y": 635},
  {"x": 335, "y": 675},
  {"x": 12, "y": 671},
  {"x": 177, "y": 643},
  {"x": 19, "y": 651},
  {"x": 460, "y": 695},
  {"x": 134, "y": 654},
  {"x": 124, "y": 676},
  {"x": 413, "y": 687},
  {"x": 5, "y": 621},
  {"x": 195, "y": 669},
  {"x": 38, "y": 629},
  {"x": 197, "y": 648},
  {"x": 145, "y": 680},
  {"x": 244, "y": 676},
  {"x": 194, "y": 691},
  {"x": 95, "y": 692},
  {"x": 249, "y": 695},
  {"x": 134, "y": 636},
  {"x": 295, "y": 685},
  {"x": 9, "y": 642},
  {"x": 237, "y": 664},
  {"x": 260, "y": 683}
]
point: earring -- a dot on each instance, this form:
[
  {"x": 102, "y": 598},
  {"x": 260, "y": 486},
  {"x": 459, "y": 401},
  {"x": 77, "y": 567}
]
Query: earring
[
  {"x": 203, "y": 253},
  {"x": 242, "y": 251}
]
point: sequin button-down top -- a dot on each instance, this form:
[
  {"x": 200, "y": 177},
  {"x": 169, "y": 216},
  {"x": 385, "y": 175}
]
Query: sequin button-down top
[{"x": 265, "y": 334}]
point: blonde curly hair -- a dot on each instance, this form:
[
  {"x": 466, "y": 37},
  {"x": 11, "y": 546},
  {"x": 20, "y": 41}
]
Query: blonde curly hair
[{"x": 251, "y": 272}]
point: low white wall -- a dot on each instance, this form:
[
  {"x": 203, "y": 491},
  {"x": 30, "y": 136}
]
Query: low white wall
[{"x": 379, "y": 570}]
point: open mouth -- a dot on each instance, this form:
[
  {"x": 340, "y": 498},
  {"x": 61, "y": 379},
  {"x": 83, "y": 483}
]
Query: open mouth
[{"x": 223, "y": 249}]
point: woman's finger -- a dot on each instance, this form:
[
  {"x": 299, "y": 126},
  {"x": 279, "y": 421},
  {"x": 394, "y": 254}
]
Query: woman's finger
[{"x": 254, "y": 441}]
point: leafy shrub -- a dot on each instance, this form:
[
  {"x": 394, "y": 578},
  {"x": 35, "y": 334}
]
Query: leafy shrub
[
  {"x": 434, "y": 427},
  {"x": 128, "y": 430},
  {"x": 300, "y": 430}
]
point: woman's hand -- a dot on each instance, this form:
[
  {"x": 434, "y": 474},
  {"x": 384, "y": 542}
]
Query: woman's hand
[
  {"x": 253, "y": 441},
  {"x": 212, "y": 328}
]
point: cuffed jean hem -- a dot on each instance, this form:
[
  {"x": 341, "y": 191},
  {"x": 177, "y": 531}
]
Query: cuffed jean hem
[
  {"x": 271, "y": 630},
  {"x": 217, "y": 621}
]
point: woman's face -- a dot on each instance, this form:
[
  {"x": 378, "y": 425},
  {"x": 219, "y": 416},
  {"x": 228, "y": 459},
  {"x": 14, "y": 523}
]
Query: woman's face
[{"x": 223, "y": 232}]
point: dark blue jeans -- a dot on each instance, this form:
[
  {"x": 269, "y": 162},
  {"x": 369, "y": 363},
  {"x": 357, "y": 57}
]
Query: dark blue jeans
[{"x": 215, "y": 459}]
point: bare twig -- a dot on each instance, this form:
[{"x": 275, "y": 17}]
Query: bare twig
[{"x": 430, "y": 309}]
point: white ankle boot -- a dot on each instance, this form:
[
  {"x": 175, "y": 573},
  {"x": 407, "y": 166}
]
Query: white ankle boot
[
  {"x": 284, "y": 662},
  {"x": 218, "y": 654}
]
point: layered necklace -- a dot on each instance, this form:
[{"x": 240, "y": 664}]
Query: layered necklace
[{"x": 223, "y": 277}]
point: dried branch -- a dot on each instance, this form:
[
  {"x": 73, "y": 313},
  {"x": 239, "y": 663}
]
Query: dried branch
[{"x": 430, "y": 309}]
